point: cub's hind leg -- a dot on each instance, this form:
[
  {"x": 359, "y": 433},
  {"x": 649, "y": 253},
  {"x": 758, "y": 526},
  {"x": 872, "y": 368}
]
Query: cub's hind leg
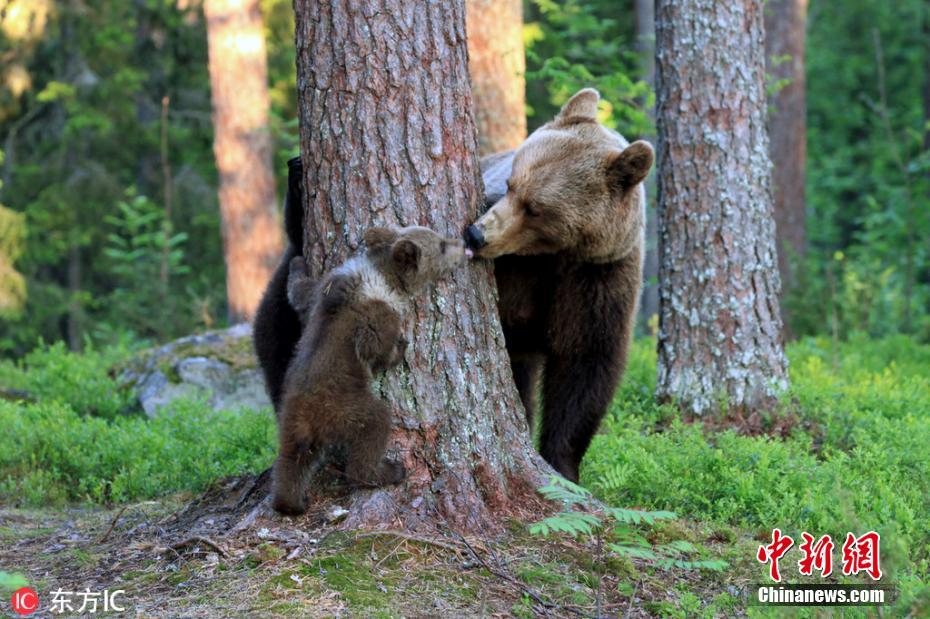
[
  {"x": 292, "y": 468},
  {"x": 366, "y": 464}
]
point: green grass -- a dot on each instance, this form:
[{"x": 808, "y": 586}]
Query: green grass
[
  {"x": 858, "y": 460},
  {"x": 50, "y": 454},
  {"x": 81, "y": 381},
  {"x": 82, "y": 440}
]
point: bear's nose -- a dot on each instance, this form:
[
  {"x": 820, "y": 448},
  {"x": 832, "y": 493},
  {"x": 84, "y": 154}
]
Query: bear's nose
[{"x": 474, "y": 238}]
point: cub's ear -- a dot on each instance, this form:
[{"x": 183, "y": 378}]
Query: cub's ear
[
  {"x": 583, "y": 103},
  {"x": 406, "y": 255},
  {"x": 379, "y": 237},
  {"x": 630, "y": 166}
]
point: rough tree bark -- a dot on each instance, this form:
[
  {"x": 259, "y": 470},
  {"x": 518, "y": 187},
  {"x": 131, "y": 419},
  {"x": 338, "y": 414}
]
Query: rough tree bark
[
  {"x": 645, "y": 45},
  {"x": 719, "y": 323},
  {"x": 496, "y": 63},
  {"x": 785, "y": 28},
  {"x": 252, "y": 239},
  {"x": 387, "y": 137}
]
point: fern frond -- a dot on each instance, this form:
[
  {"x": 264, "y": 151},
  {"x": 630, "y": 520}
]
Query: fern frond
[
  {"x": 715, "y": 565},
  {"x": 572, "y": 523},
  {"x": 569, "y": 493},
  {"x": 637, "y": 516},
  {"x": 634, "y": 552}
]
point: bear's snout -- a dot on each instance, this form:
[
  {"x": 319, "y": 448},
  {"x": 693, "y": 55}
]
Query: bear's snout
[{"x": 474, "y": 238}]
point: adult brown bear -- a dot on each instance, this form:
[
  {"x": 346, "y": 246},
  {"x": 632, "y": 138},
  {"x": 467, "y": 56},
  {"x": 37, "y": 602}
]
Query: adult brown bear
[{"x": 566, "y": 229}]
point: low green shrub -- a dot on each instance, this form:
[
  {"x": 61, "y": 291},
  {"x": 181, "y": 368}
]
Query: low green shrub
[
  {"x": 49, "y": 453},
  {"x": 858, "y": 459},
  {"x": 80, "y": 380}
]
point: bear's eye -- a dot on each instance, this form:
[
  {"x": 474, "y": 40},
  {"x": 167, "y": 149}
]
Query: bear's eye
[
  {"x": 531, "y": 209},
  {"x": 442, "y": 247}
]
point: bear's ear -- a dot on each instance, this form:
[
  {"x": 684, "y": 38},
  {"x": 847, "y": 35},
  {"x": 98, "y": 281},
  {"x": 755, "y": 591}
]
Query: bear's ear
[
  {"x": 630, "y": 166},
  {"x": 406, "y": 255},
  {"x": 379, "y": 237},
  {"x": 583, "y": 103}
]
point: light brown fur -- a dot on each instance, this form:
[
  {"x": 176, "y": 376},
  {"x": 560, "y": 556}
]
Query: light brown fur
[
  {"x": 567, "y": 235},
  {"x": 574, "y": 187},
  {"x": 352, "y": 329}
]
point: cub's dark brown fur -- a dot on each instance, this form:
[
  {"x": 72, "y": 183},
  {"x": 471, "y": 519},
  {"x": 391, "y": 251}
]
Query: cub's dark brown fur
[
  {"x": 327, "y": 396},
  {"x": 353, "y": 329},
  {"x": 566, "y": 229}
]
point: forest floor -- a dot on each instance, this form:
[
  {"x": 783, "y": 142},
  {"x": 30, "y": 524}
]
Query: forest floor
[{"x": 174, "y": 558}]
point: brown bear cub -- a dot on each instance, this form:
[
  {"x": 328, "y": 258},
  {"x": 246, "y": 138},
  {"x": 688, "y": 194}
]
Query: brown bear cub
[
  {"x": 566, "y": 230},
  {"x": 353, "y": 328}
]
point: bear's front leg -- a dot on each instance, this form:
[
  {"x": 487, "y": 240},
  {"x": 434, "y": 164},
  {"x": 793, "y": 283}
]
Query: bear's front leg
[
  {"x": 576, "y": 394},
  {"x": 526, "y": 371}
]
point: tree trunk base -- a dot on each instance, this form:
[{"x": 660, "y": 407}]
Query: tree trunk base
[{"x": 241, "y": 506}]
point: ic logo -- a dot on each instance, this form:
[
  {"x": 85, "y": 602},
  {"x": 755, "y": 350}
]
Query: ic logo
[{"x": 25, "y": 601}]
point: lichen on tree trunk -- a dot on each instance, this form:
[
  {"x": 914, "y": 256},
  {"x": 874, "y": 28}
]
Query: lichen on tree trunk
[
  {"x": 719, "y": 325},
  {"x": 387, "y": 137}
]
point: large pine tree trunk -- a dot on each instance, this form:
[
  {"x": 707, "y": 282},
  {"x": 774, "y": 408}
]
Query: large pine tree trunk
[
  {"x": 387, "y": 137},
  {"x": 496, "y": 63},
  {"x": 252, "y": 239},
  {"x": 720, "y": 327},
  {"x": 785, "y": 22}
]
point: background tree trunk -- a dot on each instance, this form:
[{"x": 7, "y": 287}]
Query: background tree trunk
[
  {"x": 719, "y": 322},
  {"x": 496, "y": 63},
  {"x": 75, "y": 310},
  {"x": 252, "y": 238},
  {"x": 926, "y": 38},
  {"x": 785, "y": 29},
  {"x": 645, "y": 44},
  {"x": 387, "y": 137}
]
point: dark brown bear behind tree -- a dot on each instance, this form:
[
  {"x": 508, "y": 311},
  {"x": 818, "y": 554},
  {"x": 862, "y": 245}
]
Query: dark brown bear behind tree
[{"x": 277, "y": 325}]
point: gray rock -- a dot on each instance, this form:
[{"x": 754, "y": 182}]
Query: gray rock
[{"x": 219, "y": 366}]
